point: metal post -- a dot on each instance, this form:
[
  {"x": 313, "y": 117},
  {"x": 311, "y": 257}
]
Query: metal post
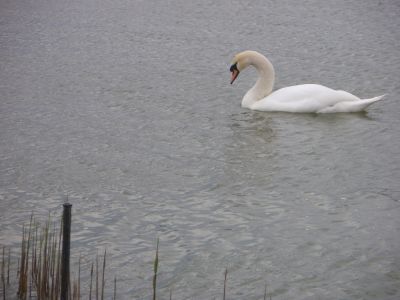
[{"x": 65, "y": 251}]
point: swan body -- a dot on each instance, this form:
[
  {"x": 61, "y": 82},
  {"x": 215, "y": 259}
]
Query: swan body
[{"x": 304, "y": 98}]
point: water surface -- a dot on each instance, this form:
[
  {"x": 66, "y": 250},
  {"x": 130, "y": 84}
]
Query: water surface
[{"x": 125, "y": 108}]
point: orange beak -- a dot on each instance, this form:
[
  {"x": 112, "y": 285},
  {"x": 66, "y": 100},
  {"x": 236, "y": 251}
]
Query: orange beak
[{"x": 235, "y": 74}]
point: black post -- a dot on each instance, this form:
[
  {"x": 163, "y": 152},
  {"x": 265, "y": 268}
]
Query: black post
[{"x": 65, "y": 251}]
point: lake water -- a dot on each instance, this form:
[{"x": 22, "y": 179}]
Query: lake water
[{"x": 125, "y": 107}]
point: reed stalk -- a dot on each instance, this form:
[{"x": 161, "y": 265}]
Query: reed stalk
[
  {"x": 57, "y": 286},
  {"x": 75, "y": 291},
  {"x": 43, "y": 284},
  {"x": 28, "y": 247},
  {"x": 33, "y": 253},
  {"x": 70, "y": 289},
  {"x": 225, "y": 278},
  {"x": 24, "y": 266},
  {"x": 115, "y": 288},
  {"x": 265, "y": 291},
  {"x": 22, "y": 280},
  {"x": 8, "y": 266},
  {"x": 91, "y": 282},
  {"x": 53, "y": 263},
  {"x": 39, "y": 267},
  {"x": 97, "y": 276},
  {"x": 3, "y": 279},
  {"x": 39, "y": 262},
  {"x": 79, "y": 278},
  {"x": 30, "y": 287},
  {"x": 103, "y": 283},
  {"x": 38, "y": 274},
  {"x": 17, "y": 268},
  {"x": 155, "y": 272}
]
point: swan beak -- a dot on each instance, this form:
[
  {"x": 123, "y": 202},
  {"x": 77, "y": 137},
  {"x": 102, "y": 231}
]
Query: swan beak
[{"x": 235, "y": 72}]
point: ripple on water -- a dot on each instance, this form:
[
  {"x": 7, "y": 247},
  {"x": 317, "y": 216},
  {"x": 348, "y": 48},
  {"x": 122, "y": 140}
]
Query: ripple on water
[{"x": 136, "y": 123}]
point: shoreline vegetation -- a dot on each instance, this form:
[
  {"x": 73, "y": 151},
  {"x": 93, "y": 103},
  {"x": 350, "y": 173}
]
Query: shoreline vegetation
[{"x": 42, "y": 264}]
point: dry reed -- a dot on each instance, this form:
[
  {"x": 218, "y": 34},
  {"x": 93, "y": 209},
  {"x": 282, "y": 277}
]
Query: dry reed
[
  {"x": 97, "y": 276},
  {"x": 225, "y": 278},
  {"x": 3, "y": 279},
  {"x": 103, "y": 283},
  {"x": 91, "y": 282},
  {"x": 115, "y": 288},
  {"x": 39, "y": 267},
  {"x": 155, "y": 272}
]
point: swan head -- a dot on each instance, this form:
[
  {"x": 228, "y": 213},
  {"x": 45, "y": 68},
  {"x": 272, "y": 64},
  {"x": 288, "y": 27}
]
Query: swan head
[
  {"x": 246, "y": 58},
  {"x": 240, "y": 62}
]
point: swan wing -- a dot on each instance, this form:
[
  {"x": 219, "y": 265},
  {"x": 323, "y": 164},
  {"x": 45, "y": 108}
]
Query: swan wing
[
  {"x": 350, "y": 106},
  {"x": 305, "y": 98}
]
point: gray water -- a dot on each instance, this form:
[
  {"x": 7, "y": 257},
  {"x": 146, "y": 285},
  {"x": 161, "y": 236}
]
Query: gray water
[{"x": 125, "y": 107}]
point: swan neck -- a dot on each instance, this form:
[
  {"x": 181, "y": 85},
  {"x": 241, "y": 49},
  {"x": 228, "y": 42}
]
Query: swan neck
[
  {"x": 265, "y": 82},
  {"x": 266, "y": 77}
]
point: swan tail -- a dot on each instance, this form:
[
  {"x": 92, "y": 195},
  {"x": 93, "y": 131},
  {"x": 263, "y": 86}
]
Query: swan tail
[
  {"x": 372, "y": 100},
  {"x": 351, "y": 106}
]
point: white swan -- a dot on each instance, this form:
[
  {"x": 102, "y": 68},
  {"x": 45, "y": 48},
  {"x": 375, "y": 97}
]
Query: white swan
[{"x": 304, "y": 98}]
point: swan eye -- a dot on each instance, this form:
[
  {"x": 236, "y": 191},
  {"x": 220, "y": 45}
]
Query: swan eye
[{"x": 234, "y": 67}]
